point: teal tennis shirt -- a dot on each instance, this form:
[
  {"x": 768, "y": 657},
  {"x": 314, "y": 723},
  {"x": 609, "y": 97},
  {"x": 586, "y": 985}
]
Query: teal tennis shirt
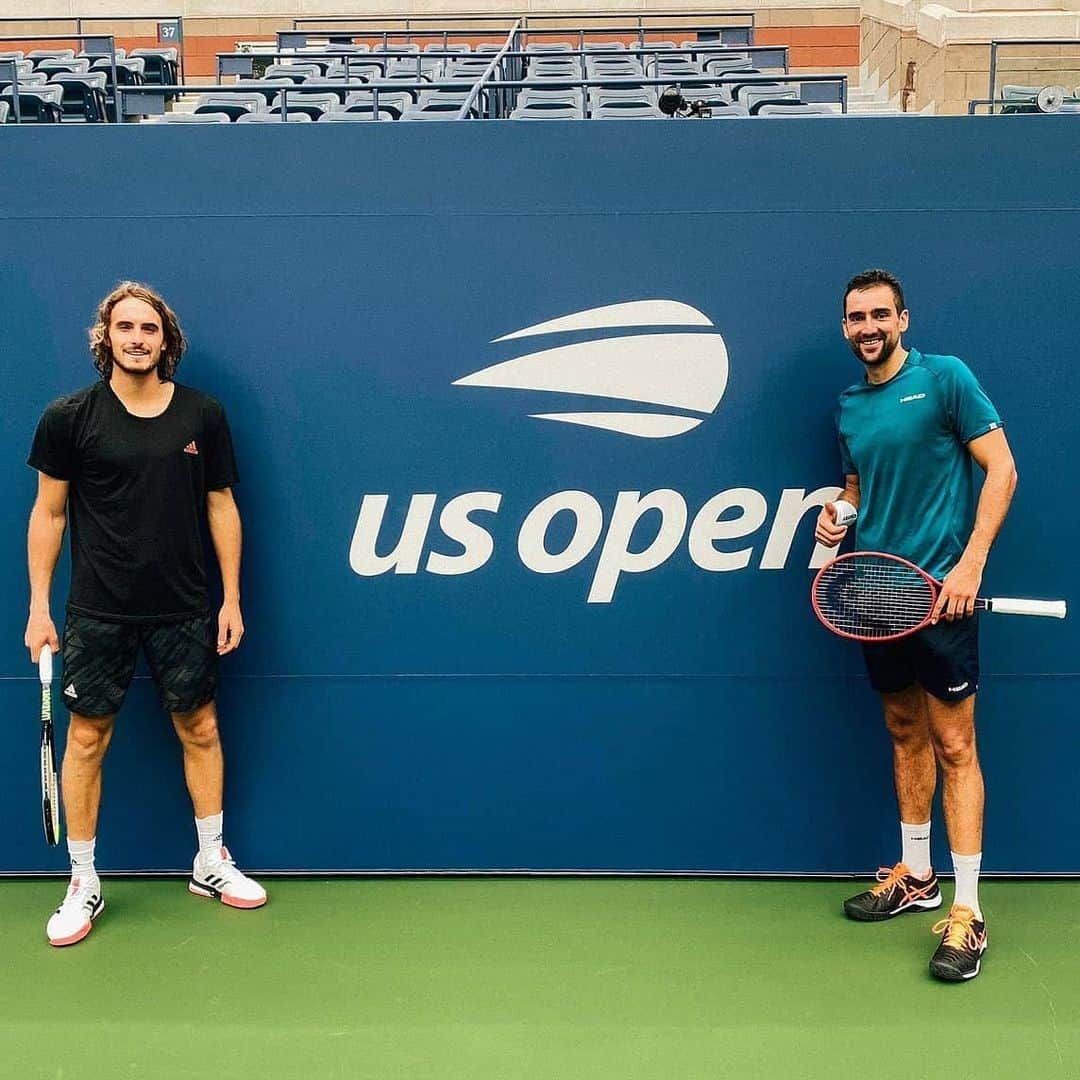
[{"x": 906, "y": 439}]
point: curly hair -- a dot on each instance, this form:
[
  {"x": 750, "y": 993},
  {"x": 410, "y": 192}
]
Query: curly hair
[
  {"x": 868, "y": 279},
  {"x": 174, "y": 344}
]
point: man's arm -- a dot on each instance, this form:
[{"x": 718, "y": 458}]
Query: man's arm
[
  {"x": 991, "y": 452},
  {"x": 224, "y": 520},
  {"x": 44, "y": 539},
  {"x": 827, "y": 531}
]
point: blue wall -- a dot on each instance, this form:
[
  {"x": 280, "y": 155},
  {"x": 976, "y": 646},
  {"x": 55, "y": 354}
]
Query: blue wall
[{"x": 335, "y": 282}]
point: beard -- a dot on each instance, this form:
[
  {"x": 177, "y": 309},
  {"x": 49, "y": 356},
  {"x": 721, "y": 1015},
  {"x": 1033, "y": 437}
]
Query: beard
[
  {"x": 888, "y": 347},
  {"x": 125, "y": 365}
]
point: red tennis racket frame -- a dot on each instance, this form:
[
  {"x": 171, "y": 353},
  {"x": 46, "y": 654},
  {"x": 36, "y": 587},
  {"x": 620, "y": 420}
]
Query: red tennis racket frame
[{"x": 935, "y": 588}]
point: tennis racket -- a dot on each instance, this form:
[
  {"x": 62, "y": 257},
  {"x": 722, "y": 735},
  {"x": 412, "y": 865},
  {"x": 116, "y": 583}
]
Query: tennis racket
[
  {"x": 50, "y": 797},
  {"x": 871, "y": 596}
]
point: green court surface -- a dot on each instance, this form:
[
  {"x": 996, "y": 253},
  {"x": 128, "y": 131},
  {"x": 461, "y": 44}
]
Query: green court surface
[{"x": 551, "y": 978}]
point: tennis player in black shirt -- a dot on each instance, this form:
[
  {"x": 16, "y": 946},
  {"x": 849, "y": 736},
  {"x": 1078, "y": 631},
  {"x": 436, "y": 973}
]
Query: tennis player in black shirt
[{"x": 134, "y": 463}]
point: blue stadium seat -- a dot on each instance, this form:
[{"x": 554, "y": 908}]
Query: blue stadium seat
[
  {"x": 626, "y": 110},
  {"x": 268, "y": 88},
  {"x": 548, "y": 112},
  {"x": 394, "y": 102},
  {"x": 84, "y": 96},
  {"x": 37, "y": 55},
  {"x": 358, "y": 71},
  {"x": 193, "y": 118},
  {"x": 27, "y": 79},
  {"x": 753, "y": 97},
  {"x": 800, "y": 108},
  {"x": 384, "y": 114},
  {"x": 161, "y": 67},
  {"x": 275, "y": 118},
  {"x": 296, "y": 73},
  {"x": 234, "y": 105},
  {"x": 416, "y": 113},
  {"x": 37, "y": 104},
  {"x": 71, "y": 64},
  {"x": 314, "y": 103}
]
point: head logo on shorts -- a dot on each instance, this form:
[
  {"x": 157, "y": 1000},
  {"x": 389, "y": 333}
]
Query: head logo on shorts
[{"x": 681, "y": 369}]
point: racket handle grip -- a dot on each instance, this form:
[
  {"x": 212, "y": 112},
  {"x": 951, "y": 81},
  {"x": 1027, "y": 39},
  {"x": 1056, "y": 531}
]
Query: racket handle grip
[
  {"x": 45, "y": 665},
  {"x": 1052, "y": 609}
]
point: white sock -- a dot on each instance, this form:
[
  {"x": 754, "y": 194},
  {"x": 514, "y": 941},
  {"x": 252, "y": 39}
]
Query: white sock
[
  {"x": 967, "y": 881},
  {"x": 82, "y": 858},
  {"x": 210, "y": 834},
  {"x": 916, "y": 847}
]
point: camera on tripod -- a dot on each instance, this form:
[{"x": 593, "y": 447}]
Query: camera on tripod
[{"x": 672, "y": 103}]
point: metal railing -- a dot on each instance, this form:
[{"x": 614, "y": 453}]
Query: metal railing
[
  {"x": 496, "y": 60},
  {"x": 172, "y": 26},
  {"x": 1003, "y": 43},
  {"x": 150, "y": 100},
  {"x": 342, "y": 31},
  {"x": 531, "y": 21},
  {"x": 243, "y": 63}
]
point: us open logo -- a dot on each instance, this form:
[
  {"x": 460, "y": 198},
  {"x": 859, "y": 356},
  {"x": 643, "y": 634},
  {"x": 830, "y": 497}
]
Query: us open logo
[
  {"x": 675, "y": 381},
  {"x": 684, "y": 369}
]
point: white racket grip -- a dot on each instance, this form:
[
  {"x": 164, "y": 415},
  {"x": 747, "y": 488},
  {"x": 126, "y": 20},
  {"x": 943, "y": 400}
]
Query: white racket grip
[
  {"x": 45, "y": 665},
  {"x": 1006, "y": 605},
  {"x": 846, "y": 514}
]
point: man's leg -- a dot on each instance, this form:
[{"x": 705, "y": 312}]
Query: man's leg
[
  {"x": 183, "y": 658},
  {"x": 88, "y": 738},
  {"x": 213, "y": 874},
  {"x": 204, "y": 764},
  {"x": 952, "y": 729},
  {"x": 907, "y": 718},
  {"x": 910, "y": 885}
]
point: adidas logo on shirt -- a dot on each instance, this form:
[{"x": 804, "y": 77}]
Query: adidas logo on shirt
[
  {"x": 191, "y": 448},
  {"x": 69, "y": 691}
]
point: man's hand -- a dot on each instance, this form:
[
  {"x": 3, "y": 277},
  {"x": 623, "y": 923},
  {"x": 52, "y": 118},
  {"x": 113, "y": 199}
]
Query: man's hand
[
  {"x": 40, "y": 633},
  {"x": 827, "y": 531},
  {"x": 958, "y": 591},
  {"x": 230, "y": 627}
]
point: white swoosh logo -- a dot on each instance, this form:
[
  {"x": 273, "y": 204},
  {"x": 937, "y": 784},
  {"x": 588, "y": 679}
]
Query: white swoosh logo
[
  {"x": 646, "y": 425},
  {"x": 633, "y": 313},
  {"x": 680, "y": 370}
]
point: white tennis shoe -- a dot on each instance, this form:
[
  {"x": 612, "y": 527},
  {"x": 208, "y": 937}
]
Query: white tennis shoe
[
  {"x": 74, "y": 918},
  {"x": 216, "y": 876}
]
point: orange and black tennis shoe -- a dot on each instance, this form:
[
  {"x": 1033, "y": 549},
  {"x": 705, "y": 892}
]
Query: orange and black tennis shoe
[
  {"x": 898, "y": 890},
  {"x": 963, "y": 941}
]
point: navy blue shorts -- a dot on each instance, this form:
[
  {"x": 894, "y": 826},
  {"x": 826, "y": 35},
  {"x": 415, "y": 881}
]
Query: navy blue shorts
[
  {"x": 99, "y": 663},
  {"x": 942, "y": 659}
]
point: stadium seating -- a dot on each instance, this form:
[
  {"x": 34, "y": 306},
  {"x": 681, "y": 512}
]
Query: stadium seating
[
  {"x": 83, "y": 96},
  {"x": 292, "y": 117},
  {"x": 592, "y": 75},
  {"x": 37, "y": 104},
  {"x": 193, "y": 118}
]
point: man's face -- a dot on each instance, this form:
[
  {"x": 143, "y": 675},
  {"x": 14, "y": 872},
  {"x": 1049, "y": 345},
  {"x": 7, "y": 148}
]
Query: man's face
[
  {"x": 872, "y": 325},
  {"x": 136, "y": 337}
]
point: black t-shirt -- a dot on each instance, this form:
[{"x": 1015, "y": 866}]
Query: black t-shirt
[{"x": 137, "y": 499}]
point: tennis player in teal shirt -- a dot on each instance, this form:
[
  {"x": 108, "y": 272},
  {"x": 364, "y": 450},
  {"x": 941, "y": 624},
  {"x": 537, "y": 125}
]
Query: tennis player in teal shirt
[{"x": 910, "y": 434}]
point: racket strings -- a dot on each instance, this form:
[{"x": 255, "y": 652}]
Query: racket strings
[{"x": 873, "y": 597}]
